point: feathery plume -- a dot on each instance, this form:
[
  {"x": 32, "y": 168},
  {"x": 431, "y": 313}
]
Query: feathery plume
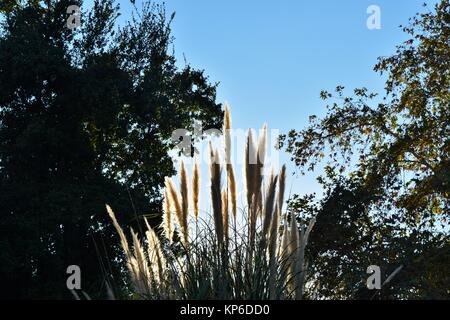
[
  {"x": 142, "y": 274},
  {"x": 139, "y": 253},
  {"x": 216, "y": 196},
  {"x": 184, "y": 200},
  {"x": 167, "y": 217},
  {"x": 227, "y": 135},
  {"x": 269, "y": 203},
  {"x": 123, "y": 239},
  {"x": 249, "y": 163},
  {"x": 232, "y": 189},
  {"x": 259, "y": 166},
  {"x": 225, "y": 214},
  {"x": 216, "y": 193},
  {"x": 134, "y": 265},
  {"x": 175, "y": 201},
  {"x": 262, "y": 145},
  {"x": 155, "y": 253},
  {"x": 196, "y": 188},
  {"x": 230, "y": 171}
]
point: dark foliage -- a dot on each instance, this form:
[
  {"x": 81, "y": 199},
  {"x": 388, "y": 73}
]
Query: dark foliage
[
  {"x": 86, "y": 118},
  {"x": 387, "y": 199}
]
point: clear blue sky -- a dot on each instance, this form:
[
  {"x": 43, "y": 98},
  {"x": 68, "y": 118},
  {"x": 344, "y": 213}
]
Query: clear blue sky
[{"x": 272, "y": 58}]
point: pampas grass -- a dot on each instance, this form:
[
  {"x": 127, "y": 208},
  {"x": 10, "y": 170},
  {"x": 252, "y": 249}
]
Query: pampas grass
[
  {"x": 230, "y": 170},
  {"x": 180, "y": 212},
  {"x": 216, "y": 194},
  {"x": 184, "y": 201},
  {"x": 260, "y": 255},
  {"x": 196, "y": 189},
  {"x": 167, "y": 224}
]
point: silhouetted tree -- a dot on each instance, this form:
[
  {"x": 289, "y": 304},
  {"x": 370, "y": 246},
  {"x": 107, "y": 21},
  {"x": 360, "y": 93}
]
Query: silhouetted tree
[
  {"x": 392, "y": 207},
  {"x": 86, "y": 117}
]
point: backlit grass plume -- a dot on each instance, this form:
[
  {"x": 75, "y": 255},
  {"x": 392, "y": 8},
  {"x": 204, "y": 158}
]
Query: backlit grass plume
[
  {"x": 196, "y": 189},
  {"x": 256, "y": 252}
]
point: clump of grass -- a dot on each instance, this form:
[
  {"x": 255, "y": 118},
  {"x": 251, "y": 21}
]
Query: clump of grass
[{"x": 256, "y": 253}]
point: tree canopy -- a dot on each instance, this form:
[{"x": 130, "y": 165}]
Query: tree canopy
[
  {"x": 86, "y": 117},
  {"x": 387, "y": 178}
]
